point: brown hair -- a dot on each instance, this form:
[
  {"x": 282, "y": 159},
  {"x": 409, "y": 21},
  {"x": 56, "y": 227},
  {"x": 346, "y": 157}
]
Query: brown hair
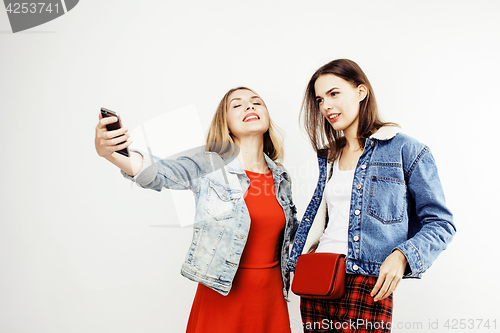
[
  {"x": 220, "y": 140},
  {"x": 321, "y": 133}
]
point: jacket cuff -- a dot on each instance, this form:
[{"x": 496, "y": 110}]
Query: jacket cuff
[
  {"x": 414, "y": 261},
  {"x": 147, "y": 173}
]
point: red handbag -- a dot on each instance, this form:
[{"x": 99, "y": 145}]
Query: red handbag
[{"x": 320, "y": 275}]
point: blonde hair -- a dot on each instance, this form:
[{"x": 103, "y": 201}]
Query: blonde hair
[{"x": 220, "y": 140}]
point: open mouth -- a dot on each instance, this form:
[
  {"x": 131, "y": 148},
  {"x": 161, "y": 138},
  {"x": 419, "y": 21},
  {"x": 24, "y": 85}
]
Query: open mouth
[
  {"x": 333, "y": 117},
  {"x": 250, "y": 117}
]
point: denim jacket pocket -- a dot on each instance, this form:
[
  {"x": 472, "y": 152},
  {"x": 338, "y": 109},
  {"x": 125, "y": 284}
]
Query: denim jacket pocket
[
  {"x": 387, "y": 199},
  {"x": 220, "y": 202}
]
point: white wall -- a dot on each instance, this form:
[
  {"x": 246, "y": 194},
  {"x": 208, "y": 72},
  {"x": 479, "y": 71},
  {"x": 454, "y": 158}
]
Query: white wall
[{"x": 81, "y": 251}]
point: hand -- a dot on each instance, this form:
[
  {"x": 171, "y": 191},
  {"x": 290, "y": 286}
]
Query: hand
[
  {"x": 106, "y": 141},
  {"x": 391, "y": 272}
]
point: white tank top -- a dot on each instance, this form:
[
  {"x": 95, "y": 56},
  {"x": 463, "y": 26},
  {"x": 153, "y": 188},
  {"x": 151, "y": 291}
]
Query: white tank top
[{"x": 338, "y": 199}]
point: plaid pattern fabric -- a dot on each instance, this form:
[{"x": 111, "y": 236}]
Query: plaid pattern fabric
[{"x": 355, "y": 312}]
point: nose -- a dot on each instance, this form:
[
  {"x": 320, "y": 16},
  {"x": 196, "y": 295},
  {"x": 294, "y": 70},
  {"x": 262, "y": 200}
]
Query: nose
[
  {"x": 326, "y": 106},
  {"x": 250, "y": 107}
]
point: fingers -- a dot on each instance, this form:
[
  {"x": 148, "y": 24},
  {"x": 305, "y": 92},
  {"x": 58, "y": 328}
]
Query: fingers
[
  {"x": 103, "y": 133},
  {"x": 378, "y": 284},
  {"x": 101, "y": 125},
  {"x": 106, "y": 148},
  {"x": 108, "y": 141},
  {"x": 107, "y": 120},
  {"x": 123, "y": 145},
  {"x": 118, "y": 140},
  {"x": 391, "y": 272},
  {"x": 389, "y": 285},
  {"x": 109, "y": 135}
]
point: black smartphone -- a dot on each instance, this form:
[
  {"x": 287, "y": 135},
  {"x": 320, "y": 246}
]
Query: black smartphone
[{"x": 114, "y": 126}]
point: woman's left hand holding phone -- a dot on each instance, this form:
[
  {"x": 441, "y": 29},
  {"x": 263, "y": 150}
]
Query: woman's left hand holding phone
[{"x": 108, "y": 142}]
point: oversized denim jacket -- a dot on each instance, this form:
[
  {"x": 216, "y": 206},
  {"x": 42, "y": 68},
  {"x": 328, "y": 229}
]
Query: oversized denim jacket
[
  {"x": 222, "y": 221},
  {"x": 396, "y": 203}
]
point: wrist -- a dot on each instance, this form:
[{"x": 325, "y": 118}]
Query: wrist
[{"x": 399, "y": 254}]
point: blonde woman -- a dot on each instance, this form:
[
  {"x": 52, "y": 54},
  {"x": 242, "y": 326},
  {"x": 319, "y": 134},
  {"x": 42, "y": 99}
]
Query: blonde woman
[{"x": 245, "y": 218}]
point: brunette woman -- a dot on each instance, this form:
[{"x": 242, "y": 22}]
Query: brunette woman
[
  {"x": 378, "y": 200},
  {"x": 245, "y": 216}
]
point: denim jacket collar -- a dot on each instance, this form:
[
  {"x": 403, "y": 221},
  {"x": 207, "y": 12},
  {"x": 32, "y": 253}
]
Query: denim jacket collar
[{"x": 234, "y": 165}]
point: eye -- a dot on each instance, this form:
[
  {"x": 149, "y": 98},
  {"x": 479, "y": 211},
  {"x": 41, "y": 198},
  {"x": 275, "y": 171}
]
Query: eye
[
  {"x": 236, "y": 106},
  {"x": 319, "y": 100},
  {"x": 334, "y": 93},
  {"x": 256, "y": 103}
]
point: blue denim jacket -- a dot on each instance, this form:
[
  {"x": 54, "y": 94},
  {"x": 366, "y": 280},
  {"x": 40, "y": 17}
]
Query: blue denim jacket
[
  {"x": 396, "y": 203},
  {"x": 222, "y": 220}
]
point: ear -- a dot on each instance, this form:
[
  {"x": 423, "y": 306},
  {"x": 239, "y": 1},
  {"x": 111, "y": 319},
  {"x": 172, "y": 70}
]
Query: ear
[{"x": 362, "y": 92}]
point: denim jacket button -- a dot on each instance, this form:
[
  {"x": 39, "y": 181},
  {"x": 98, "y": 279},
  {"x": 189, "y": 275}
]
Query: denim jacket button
[
  {"x": 363, "y": 166},
  {"x": 359, "y": 187},
  {"x": 357, "y": 212},
  {"x": 372, "y": 144},
  {"x": 356, "y": 238},
  {"x": 355, "y": 267}
]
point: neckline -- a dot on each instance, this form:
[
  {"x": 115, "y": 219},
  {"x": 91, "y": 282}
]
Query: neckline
[
  {"x": 336, "y": 166},
  {"x": 257, "y": 173}
]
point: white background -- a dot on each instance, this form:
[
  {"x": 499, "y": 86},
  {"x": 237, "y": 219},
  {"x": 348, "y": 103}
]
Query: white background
[{"x": 82, "y": 251}]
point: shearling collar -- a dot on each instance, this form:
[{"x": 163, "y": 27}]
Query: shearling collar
[{"x": 386, "y": 132}]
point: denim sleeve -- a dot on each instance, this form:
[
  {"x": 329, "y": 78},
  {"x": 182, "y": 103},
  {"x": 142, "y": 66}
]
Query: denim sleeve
[
  {"x": 293, "y": 212},
  {"x": 182, "y": 173},
  {"x": 433, "y": 219}
]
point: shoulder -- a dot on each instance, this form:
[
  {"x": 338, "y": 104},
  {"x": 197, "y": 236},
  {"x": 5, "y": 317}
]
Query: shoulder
[
  {"x": 322, "y": 156},
  {"x": 393, "y": 138},
  {"x": 408, "y": 146},
  {"x": 204, "y": 160},
  {"x": 407, "y": 142},
  {"x": 411, "y": 150},
  {"x": 279, "y": 168}
]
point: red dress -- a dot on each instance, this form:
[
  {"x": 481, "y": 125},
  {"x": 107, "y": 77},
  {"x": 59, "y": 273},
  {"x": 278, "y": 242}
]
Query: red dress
[{"x": 255, "y": 302}]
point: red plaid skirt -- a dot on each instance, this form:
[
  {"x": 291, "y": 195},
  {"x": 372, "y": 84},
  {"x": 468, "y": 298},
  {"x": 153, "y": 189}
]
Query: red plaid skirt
[{"x": 355, "y": 312}]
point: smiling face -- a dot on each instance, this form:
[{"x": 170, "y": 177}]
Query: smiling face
[
  {"x": 338, "y": 101},
  {"x": 247, "y": 115}
]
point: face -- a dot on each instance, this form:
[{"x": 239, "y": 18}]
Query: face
[
  {"x": 246, "y": 114},
  {"x": 338, "y": 101}
]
